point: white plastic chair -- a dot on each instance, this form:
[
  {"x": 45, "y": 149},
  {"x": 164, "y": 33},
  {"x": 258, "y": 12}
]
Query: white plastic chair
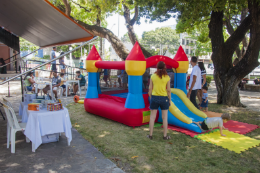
[
  {"x": 14, "y": 127},
  {"x": 60, "y": 92},
  {"x": 11, "y": 106},
  {"x": 86, "y": 85}
]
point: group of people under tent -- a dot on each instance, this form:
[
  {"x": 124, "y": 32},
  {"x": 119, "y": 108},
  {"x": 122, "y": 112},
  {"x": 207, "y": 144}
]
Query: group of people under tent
[{"x": 57, "y": 81}]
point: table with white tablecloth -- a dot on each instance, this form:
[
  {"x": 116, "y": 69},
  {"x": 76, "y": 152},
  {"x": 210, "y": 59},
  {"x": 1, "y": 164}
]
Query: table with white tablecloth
[
  {"x": 44, "y": 122},
  {"x": 23, "y": 111}
]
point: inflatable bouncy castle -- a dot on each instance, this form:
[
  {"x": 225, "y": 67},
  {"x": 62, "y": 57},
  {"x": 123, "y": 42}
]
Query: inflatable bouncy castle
[{"x": 132, "y": 107}]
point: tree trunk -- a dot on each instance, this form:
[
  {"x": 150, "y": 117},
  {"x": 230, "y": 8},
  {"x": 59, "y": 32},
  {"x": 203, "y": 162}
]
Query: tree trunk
[
  {"x": 67, "y": 7},
  {"x": 95, "y": 30},
  {"x": 100, "y": 39},
  {"x": 226, "y": 76},
  {"x": 130, "y": 28},
  {"x": 116, "y": 43}
]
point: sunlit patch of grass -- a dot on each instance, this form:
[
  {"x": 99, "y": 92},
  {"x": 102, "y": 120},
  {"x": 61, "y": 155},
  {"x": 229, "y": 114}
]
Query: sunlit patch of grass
[{"x": 182, "y": 153}]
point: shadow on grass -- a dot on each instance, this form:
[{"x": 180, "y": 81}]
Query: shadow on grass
[{"x": 181, "y": 153}]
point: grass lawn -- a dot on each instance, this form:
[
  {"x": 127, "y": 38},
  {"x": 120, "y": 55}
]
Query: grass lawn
[{"x": 182, "y": 153}]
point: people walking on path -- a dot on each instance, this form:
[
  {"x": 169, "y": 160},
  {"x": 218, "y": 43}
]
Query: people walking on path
[
  {"x": 195, "y": 81},
  {"x": 62, "y": 64},
  {"x": 53, "y": 63}
]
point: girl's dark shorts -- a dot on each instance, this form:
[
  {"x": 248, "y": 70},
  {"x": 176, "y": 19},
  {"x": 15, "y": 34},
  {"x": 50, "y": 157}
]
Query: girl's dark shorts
[{"x": 159, "y": 102}]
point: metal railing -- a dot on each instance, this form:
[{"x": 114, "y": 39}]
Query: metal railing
[
  {"x": 19, "y": 58},
  {"x": 69, "y": 70},
  {"x": 34, "y": 68}
]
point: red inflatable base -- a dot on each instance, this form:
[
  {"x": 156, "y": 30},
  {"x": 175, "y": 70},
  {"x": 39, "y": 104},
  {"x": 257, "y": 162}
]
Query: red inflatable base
[{"x": 113, "y": 108}]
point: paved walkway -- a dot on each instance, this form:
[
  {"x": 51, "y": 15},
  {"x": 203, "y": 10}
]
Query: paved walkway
[
  {"x": 250, "y": 99},
  {"x": 54, "y": 157}
]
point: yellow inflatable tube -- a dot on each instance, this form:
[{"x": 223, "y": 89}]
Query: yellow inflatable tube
[
  {"x": 81, "y": 101},
  {"x": 187, "y": 103},
  {"x": 178, "y": 114}
]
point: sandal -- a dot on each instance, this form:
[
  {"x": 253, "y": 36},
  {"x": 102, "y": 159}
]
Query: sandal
[
  {"x": 166, "y": 137},
  {"x": 150, "y": 137}
]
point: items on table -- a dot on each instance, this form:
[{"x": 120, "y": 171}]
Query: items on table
[
  {"x": 37, "y": 100},
  {"x": 28, "y": 98},
  {"x": 54, "y": 106},
  {"x": 46, "y": 102},
  {"x": 34, "y": 106}
]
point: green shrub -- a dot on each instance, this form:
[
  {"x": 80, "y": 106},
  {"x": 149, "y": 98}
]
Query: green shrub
[
  {"x": 46, "y": 57},
  {"x": 208, "y": 79}
]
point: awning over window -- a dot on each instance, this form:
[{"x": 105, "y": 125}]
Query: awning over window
[{"x": 39, "y": 22}]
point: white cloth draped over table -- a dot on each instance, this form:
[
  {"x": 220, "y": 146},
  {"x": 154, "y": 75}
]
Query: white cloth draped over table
[
  {"x": 23, "y": 111},
  {"x": 44, "y": 122}
]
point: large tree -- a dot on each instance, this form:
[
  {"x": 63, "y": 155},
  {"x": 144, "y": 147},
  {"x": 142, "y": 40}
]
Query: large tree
[
  {"x": 192, "y": 13},
  {"x": 91, "y": 14},
  {"x": 164, "y": 36}
]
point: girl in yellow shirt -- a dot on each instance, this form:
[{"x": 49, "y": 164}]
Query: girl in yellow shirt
[{"x": 160, "y": 94}]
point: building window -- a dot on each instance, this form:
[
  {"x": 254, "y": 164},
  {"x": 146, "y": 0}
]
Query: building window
[
  {"x": 191, "y": 42},
  {"x": 187, "y": 42},
  {"x": 191, "y": 51},
  {"x": 187, "y": 51},
  {"x": 183, "y": 42}
]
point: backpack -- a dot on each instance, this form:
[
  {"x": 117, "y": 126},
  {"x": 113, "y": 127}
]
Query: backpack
[{"x": 118, "y": 72}]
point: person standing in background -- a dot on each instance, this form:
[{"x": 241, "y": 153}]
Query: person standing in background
[
  {"x": 195, "y": 81},
  {"x": 62, "y": 64},
  {"x": 53, "y": 63},
  {"x": 119, "y": 77},
  {"x": 124, "y": 79},
  {"x": 146, "y": 76},
  {"x": 81, "y": 64},
  {"x": 106, "y": 77},
  {"x": 171, "y": 75},
  {"x": 203, "y": 81},
  {"x": 109, "y": 76},
  {"x": 2, "y": 69}
]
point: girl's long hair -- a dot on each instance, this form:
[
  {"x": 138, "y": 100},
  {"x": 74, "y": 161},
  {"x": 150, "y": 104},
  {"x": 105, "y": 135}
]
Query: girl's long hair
[
  {"x": 201, "y": 66},
  {"x": 161, "y": 69}
]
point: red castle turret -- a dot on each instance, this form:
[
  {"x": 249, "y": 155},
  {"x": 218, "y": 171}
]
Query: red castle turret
[
  {"x": 135, "y": 63},
  {"x": 180, "y": 55},
  {"x": 92, "y": 58},
  {"x": 136, "y": 54}
]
